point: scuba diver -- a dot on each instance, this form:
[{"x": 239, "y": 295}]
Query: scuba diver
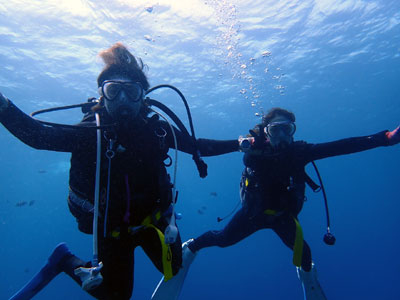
[
  {"x": 272, "y": 192},
  {"x": 120, "y": 181}
]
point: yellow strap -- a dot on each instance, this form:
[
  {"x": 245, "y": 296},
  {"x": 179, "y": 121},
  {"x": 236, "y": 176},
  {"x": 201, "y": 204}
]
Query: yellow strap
[
  {"x": 158, "y": 215},
  {"x": 115, "y": 234},
  {"x": 298, "y": 242},
  {"x": 166, "y": 254},
  {"x": 298, "y": 245},
  {"x": 166, "y": 249},
  {"x": 270, "y": 212},
  {"x": 147, "y": 221},
  {"x": 246, "y": 183}
]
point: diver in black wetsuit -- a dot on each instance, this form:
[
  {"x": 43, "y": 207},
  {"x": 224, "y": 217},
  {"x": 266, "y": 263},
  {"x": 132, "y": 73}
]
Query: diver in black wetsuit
[
  {"x": 272, "y": 190},
  {"x": 135, "y": 192}
]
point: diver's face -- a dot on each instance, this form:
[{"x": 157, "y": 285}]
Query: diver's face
[
  {"x": 123, "y": 98},
  {"x": 279, "y": 131}
]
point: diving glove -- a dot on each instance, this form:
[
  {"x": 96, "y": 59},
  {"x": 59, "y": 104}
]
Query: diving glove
[
  {"x": 311, "y": 287},
  {"x": 393, "y": 136}
]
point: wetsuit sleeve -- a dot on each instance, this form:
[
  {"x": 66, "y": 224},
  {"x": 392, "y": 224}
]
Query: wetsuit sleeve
[
  {"x": 217, "y": 147},
  {"x": 207, "y": 147},
  {"x": 345, "y": 146},
  {"x": 37, "y": 135}
]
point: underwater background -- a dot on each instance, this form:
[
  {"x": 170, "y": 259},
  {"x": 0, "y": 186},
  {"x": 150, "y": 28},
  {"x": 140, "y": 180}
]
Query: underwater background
[{"x": 334, "y": 63}]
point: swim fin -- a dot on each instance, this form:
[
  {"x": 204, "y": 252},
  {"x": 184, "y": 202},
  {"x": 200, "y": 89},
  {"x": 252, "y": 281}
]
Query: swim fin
[
  {"x": 311, "y": 287},
  {"x": 45, "y": 275},
  {"x": 170, "y": 290}
]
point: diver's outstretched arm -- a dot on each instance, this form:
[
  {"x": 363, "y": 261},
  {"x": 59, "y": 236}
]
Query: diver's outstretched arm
[{"x": 40, "y": 136}]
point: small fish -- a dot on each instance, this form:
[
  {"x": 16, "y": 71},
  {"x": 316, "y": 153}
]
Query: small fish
[
  {"x": 20, "y": 203},
  {"x": 31, "y": 202},
  {"x": 200, "y": 212},
  {"x": 42, "y": 171},
  {"x": 213, "y": 194}
]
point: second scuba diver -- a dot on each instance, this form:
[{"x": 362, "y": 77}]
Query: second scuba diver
[
  {"x": 272, "y": 190},
  {"x": 135, "y": 191}
]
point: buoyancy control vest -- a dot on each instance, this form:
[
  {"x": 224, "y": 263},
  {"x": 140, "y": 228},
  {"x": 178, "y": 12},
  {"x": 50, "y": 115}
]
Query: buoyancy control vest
[{"x": 275, "y": 179}]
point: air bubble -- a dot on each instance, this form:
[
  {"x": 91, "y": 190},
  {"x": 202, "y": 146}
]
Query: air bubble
[
  {"x": 266, "y": 54},
  {"x": 148, "y": 38}
]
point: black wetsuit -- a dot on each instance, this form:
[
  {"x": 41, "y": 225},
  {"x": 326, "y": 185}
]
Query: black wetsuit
[
  {"x": 273, "y": 191},
  {"x": 140, "y": 188}
]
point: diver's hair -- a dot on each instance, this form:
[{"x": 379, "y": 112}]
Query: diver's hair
[
  {"x": 273, "y": 112},
  {"x": 119, "y": 61}
]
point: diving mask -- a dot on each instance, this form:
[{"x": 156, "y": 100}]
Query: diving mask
[
  {"x": 274, "y": 129},
  {"x": 110, "y": 90}
]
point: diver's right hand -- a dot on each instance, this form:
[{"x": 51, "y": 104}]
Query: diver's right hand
[
  {"x": 393, "y": 136},
  {"x": 3, "y": 102}
]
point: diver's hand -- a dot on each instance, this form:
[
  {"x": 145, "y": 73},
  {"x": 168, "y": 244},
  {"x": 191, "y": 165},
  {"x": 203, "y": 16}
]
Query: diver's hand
[
  {"x": 3, "y": 102},
  {"x": 245, "y": 143},
  {"x": 393, "y": 136},
  {"x": 259, "y": 138}
]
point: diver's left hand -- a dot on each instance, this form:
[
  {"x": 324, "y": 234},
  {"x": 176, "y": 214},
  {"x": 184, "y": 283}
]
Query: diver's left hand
[{"x": 393, "y": 136}]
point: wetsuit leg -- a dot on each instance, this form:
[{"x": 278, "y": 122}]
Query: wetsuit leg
[
  {"x": 238, "y": 228},
  {"x": 149, "y": 240},
  {"x": 285, "y": 228},
  {"x": 118, "y": 260}
]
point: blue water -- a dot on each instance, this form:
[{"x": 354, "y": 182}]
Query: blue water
[{"x": 335, "y": 63}]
